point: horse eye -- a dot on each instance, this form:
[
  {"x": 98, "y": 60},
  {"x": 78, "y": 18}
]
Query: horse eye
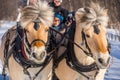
[
  {"x": 46, "y": 30},
  {"x": 26, "y": 31},
  {"x": 88, "y": 36}
]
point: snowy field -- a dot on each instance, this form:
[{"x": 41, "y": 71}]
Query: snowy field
[{"x": 113, "y": 72}]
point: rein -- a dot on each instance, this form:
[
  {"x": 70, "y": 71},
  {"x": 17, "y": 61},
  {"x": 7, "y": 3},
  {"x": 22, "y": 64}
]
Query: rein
[
  {"x": 84, "y": 39},
  {"x": 71, "y": 41}
]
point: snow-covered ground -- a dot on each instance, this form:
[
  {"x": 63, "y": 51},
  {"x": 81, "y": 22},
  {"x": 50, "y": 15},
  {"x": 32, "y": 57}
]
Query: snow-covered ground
[{"x": 113, "y": 72}]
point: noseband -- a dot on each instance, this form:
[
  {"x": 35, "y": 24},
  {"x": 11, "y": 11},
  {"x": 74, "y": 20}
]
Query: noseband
[
  {"x": 36, "y": 40},
  {"x": 36, "y": 27}
]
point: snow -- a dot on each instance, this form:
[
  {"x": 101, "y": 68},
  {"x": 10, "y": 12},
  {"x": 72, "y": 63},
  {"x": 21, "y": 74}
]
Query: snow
[
  {"x": 114, "y": 69},
  {"x": 1, "y": 67},
  {"x": 4, "y": 26},
  {"x": 113, "y": 72}
]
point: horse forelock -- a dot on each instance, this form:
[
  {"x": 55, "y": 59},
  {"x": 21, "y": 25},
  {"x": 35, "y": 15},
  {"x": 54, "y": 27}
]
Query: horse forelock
[
  {"x": 88, "y": 15},
  {"x": 40, "y": 11}
]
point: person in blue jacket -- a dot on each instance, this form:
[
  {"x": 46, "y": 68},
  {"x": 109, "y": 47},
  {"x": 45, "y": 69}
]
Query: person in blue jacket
[{"x": 57, "y": 23}]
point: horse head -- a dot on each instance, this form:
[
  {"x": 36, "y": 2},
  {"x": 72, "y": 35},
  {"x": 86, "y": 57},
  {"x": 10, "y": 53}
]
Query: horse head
[
  {"x": 91, "y": 23},
  {"x": 36, "y": 20}
]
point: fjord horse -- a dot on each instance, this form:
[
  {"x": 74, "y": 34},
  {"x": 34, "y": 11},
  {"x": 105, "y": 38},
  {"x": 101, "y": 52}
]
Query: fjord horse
[
  {"x": 23, "y": 47},
  {"x": 87, "y": 56}
]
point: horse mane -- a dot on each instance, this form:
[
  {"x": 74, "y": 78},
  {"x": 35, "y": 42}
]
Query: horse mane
[
  {"x": 89, "y": 15},
  {"x": 41, "y": 11}
]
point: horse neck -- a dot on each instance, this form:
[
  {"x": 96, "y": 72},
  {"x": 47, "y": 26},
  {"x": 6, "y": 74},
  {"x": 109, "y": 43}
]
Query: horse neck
[{"x": 80, "y": 55}]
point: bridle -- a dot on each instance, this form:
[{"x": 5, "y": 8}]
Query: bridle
[
  {"x": 18, "y": 47},
  {"x": 72, "y": 61},
  {"x": 84, "y": 38},
  {"x": 25, "y": 44}
]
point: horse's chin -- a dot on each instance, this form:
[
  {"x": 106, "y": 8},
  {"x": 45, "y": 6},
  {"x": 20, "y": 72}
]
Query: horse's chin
[
  {"x": 102, "y": 66},
  {"x": 37, "y": 61}
]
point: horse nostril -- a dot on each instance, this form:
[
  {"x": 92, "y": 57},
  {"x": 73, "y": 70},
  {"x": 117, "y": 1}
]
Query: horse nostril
[
  {"x": 34, "y": 55},
  {"x": 100, "y": 60},
  {"x": 42, "y": 54}
]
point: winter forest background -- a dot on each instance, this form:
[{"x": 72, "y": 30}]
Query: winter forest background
[{"x": 9, "y": 10}]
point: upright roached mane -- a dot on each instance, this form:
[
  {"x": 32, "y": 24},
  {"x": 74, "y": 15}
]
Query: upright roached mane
[
  {"x": 41, "y": 12},
  {"x": 91, "y": 14}
]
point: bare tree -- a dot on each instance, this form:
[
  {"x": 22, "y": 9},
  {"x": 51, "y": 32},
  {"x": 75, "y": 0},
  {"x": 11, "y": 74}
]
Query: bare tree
[{"x": 8, "y": 9}]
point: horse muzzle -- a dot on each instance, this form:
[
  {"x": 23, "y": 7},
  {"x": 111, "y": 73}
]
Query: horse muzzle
[
  {"x": 103, "y": 61},
  {"x": 39, "y": 57},
  {"x": 39, "y": 54}
]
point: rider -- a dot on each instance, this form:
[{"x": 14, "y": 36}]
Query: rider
[
  {"x": 61, "y": 26},
  {"x": 57, "y": 23},
  {"x": 58, "y": 26},
  {"x": 56, "y": 4},
  {"x": 56, "y": 37}
]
